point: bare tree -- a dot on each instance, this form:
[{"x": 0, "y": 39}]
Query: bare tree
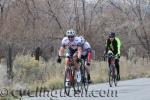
[
  {"x": 140, "y": 29},
  {"x": 32, "y": 23}
]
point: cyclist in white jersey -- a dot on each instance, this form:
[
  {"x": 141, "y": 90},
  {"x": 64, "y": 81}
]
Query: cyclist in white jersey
[
  {"x": 73, "y": 45},
  {"x": 86, "y": 55}
]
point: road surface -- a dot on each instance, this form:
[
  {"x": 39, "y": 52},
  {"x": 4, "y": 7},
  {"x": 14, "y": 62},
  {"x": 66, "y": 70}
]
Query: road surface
[{"x": 136, "y": 89}]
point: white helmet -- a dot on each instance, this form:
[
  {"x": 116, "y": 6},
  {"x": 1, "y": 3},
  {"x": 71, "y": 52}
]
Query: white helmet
[
  {"x": 70, "y": 32},
  {"x": 82, "y": 39}
]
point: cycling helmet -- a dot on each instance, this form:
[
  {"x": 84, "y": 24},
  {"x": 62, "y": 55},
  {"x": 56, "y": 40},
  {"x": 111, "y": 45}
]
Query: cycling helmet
[
  {"x": 82, "y": 39},
  {"x": 70, "y": 32},
  {"x": 112, "y": 34}
]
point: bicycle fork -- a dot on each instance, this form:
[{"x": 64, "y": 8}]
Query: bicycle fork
[{"x": 72, "y": 74}]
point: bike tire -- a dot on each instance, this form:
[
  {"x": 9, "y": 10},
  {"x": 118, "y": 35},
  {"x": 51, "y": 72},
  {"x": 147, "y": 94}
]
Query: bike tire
[
  {"x": 67, "y": 84},
  {"x": 77, "y": 86},
  {"x": 115, "y": 76},
  {"x": 84, "y": 78},
  {"x": 110, "y": 76}
]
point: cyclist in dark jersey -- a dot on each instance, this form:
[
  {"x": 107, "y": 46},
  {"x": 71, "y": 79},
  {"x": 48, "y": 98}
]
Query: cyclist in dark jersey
[{"x": 113, "y": 43}]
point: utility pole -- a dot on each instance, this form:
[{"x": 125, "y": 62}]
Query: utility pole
[{"x": 9, "y": 63}]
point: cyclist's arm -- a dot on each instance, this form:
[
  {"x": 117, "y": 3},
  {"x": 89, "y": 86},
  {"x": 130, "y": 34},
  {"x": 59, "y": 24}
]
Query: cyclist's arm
[
  {"x": 79, "y": 51},
  {"x": 62, "y": 48},
  {"x": 118, "y": 45},
  {"x": 89, "y": 55},
  {"x": 61, "y": 51},
  {"x": 106, "y": 46}
]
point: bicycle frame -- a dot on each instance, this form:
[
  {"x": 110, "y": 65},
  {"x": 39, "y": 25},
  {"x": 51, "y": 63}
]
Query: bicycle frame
[
  {"x": 71, "y": 71},
  {"x": 70, "y": 74},
  {"x": 112, "y": 69},
  {"x": 83, "y": 74},
  {"x": 112, "y": 66}
]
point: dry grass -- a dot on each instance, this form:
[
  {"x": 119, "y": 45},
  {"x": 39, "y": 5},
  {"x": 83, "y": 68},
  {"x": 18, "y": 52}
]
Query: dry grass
[
  {"x": 30, "y": 74},
  {"x": 129, "y": 69},
  {"x": 51, "y": 74}
]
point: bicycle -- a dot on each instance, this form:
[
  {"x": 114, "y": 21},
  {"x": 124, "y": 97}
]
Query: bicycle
[
  {"x": 112, "y": 73},
  {"x": 69, "y": 79},
  {"x": 84, "y": 75}
]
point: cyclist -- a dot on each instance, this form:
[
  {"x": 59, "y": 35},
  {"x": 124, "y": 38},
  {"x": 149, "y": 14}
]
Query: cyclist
[
  {"x": 73, "y": 45},
  {"x": 113, "y": 43},
  {"x": 86, "y": 55}
]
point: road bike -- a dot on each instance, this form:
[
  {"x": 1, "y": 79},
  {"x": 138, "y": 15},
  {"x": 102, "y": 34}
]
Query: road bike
[
  {"x": 84, "y": 75},
  {"x": 112, "y": 73},
  {"x": 70, "y": 79}
]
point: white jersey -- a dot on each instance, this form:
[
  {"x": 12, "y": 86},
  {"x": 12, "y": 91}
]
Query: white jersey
[
  {"x": 73, "y": 45},
  {"x": 85, "y": 48}
]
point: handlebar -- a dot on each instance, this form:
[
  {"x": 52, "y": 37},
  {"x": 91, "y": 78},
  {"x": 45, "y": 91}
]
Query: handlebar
[
  {"x": 108, "y": 55},
  {"x": 66, "y": 57}
]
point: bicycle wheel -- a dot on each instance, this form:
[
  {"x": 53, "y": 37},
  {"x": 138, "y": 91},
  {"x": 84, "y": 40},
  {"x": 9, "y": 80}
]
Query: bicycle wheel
[
  {"x": 86, "y": 83},
  {"x": 84, "y": 75},
  {"x": 77, "y": 85},
  {"x": 67, "y": 82},
  {"x": 115, "y": 76},
  {"x": 110, "y": 76}
]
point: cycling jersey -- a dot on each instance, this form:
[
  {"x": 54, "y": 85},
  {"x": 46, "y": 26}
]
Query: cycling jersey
[
  {"x": 86, "y": 48},
  {"x": 86, "y": 52},
  {"x": 114, "y": 46},
  {"x": 71, "y": 46}
]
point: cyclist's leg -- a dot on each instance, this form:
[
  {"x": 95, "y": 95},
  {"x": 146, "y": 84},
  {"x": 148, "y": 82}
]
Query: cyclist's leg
[
  {"x": 66, "y": 63},
  {"x": 117, "y": 68},
  {"x": 88, "y": 73},
  {"x": 67, "y": 75},
  {"x": 68, "y": 55},
  {"x": 87, "y": 67},
  {"x": 109, "y": 62},
  {"x": 77, "y": 67}
]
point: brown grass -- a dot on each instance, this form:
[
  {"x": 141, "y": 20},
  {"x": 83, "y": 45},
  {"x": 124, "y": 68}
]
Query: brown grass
[
  {"x": 30, "y": 74},
  {"x": 51, "y": 74}
]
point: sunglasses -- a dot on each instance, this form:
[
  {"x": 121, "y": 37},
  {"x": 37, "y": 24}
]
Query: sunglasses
[
  {"x": 70, "y": 36},
  {"x": 111, "y": 37}
]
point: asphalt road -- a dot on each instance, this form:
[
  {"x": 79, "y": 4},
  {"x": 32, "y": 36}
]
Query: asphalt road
[{"x": 137, "y": 89}]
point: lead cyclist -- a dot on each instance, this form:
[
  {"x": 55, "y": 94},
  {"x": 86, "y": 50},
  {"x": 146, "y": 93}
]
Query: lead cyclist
[{"x": 72, "y": 44}]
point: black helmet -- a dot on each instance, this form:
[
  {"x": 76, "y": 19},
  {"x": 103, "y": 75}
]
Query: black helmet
[{"x": 112, "y": 34}]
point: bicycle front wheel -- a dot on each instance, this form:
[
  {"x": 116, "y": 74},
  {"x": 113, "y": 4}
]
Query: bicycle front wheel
[
  {"x": 67, "y": 81},
  {"x": 115, "y": 76},
  {"x": 110, "y": 74},
  {"x": 84, "y": 78}
]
